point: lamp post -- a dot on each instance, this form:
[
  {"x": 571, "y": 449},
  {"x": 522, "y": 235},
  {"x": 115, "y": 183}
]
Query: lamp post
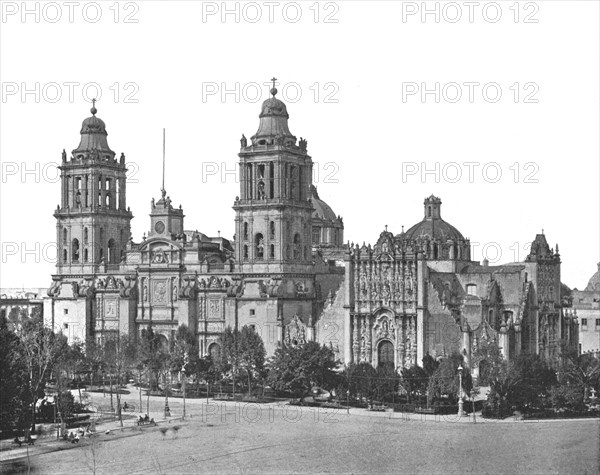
[
  {"x": 460, "y": 395},
  {"x": 473, "y": 393}
]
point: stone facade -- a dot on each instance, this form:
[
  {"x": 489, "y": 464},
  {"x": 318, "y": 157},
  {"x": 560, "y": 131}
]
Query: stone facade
[
  {"x": 286, "y": 271},
  {"x": 267, "y": 276}
]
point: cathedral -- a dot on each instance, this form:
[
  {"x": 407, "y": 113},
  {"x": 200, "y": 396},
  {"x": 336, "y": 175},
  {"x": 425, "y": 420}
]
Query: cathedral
[{"x": 287, "y": 271}]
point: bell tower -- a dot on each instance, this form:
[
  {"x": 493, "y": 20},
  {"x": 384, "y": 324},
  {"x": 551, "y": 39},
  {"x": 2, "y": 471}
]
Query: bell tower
[
  {"x": 274, "y": 211},
  {"x": 92, "y": 220}
]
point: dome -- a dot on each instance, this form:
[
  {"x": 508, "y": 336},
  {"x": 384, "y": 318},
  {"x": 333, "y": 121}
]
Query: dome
[
  {"x": 432, "y": 226},
  {"x": 93, "y": 134},
  {"x": 273, "y": 122},
  {"x": 594, "y": 283},
  {"x": 321, "y": 209}
]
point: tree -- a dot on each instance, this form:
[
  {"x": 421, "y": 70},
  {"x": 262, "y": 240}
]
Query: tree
[
  {"x": 36, "y": 348},
  {"x": 415, "y": 381},
  {"x": 13, "y": 375},
  {"x": 228, "y": 358},
  {"x": 154, "y": 357},
  {"x": 445, "y": 379},
  {"x": 183, "y": 346},
  {"x": 488, "y": 358},
  {"x": 296, "y": 369},
  {"x": 119, "y": 357},
  {"x": 252, "y": 354}
]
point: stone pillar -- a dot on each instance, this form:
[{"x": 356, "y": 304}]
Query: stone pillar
[
  {"x": 466, "y": 345},
  {"x": 504, "y": 341},
  {"x": 517, "y": 338},
  {"x": 355, "y": 342}
]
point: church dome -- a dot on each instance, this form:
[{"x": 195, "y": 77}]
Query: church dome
[
  {"x": 321, "y": 209},
  {"x": 273, "y": 127},
  {"x": 594, "y": 283},
  {"x": 93, "y": 134},
  {"x": 433, "y": 226}
]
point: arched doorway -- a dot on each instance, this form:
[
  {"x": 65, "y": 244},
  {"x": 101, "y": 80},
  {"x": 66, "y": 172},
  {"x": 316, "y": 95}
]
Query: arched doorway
[
  {"x": 214, "y": 350},
  {"x": 385, "y": 353}
]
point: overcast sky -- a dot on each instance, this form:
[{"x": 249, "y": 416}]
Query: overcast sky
[{"x": 509, "y": 130}]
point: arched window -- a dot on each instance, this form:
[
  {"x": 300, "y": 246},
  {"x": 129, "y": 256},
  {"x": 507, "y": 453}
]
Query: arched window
[
  {"x": 85, "y": 255},
  {"x": 272, "y": 230},
  {"x": 297, "y": 246},
  {"x": 260, "y": 248},
  {"x": 272, "y": 251},
  {"x": 471, "y": 289},
  {"x": 111, "y": 251},
  {"x": 107, "y": 184},
  {"x": 107, "y": 200},
  {"x": 75, "y": 250},
  {"x": 85, "y": 235},
  {"x": 249, "y": 181},
  {"x": 245, "y": 231},
  {"x": 435, "y": 251},
  {"x": 245, "y": 252},
  {"x": 101, "y": 236},
  {"x": 99, "y": 198},
  {"x": 65, "y": 255},
  {"x": 429, "y": 211},
  {"x": 271, "y": 180},
  {"x": 65, "y": 236}
]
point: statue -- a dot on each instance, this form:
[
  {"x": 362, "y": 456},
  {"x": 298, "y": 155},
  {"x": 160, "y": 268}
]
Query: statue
[
  {"x": 261, "y": 190},
  {"x": 122, "y": 159},
  {"x": 244, "y": 141},
  {"x": 64, "y": 155},
  {"x": 153, "y": 203},
  {"x": 303, "y": 144}
]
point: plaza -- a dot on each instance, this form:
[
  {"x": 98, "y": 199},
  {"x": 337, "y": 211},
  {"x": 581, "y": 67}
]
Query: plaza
[{"x": 219, "y": 437}]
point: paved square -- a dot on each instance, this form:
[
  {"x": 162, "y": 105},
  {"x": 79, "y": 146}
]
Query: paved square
[{"x": 283, "y": 439}]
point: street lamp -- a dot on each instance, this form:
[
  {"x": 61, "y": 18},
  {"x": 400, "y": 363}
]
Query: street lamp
[{"x": 460, "y": 399}]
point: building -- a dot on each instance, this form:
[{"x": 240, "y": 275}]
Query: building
[
  {"x": 286, "y": 271},
  {"x": 586, "y": 306},
  {"x": 419, "y": 293},
  {"x": 267, "y": 276}
]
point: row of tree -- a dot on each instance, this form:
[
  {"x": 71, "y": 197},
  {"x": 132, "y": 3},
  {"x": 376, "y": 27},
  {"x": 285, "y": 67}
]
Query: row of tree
[{"x": 32, "y": 356}]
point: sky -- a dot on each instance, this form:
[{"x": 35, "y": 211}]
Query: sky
[{"x": 492, "y": 107}]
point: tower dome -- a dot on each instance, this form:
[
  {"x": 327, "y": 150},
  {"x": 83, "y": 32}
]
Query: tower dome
[
  {"x": 433, "y": 226},
  {"x": 594, "y": 283},
  {"x": 273, "y": 127},
  {"x": 93, "y": 134}
]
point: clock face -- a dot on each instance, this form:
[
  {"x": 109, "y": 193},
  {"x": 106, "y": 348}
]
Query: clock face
[{"x": 159, "y": 227}]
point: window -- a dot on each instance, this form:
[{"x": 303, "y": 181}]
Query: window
[
  {"x": 85, "y": 255},
  {"x": 245, "y": 231},
  {"x": 584, "y": 322},
  {"x": 297, "y": 246},
  {"x": 272, "y": 251},
  {"x": 316, "y": 235},
  {"x": 66, "y": 311},
  {"x": 111, "y": 251},
  {"x": 65, "y": 236},
  {"x": 598, "y": 322},
  {"x": 66, "y": 325},
  {"x": 252, "y": 312},
  {"x": 75, "y": 250},
  {"x": 471, "y": 289},
  {"x": 85, "y": 235},
  {"x": 65, "y": 255},
  {"x": 245, "y": 252},
  {"x": 260, "y": 248},
  {"x": 272, "y": 229}
]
